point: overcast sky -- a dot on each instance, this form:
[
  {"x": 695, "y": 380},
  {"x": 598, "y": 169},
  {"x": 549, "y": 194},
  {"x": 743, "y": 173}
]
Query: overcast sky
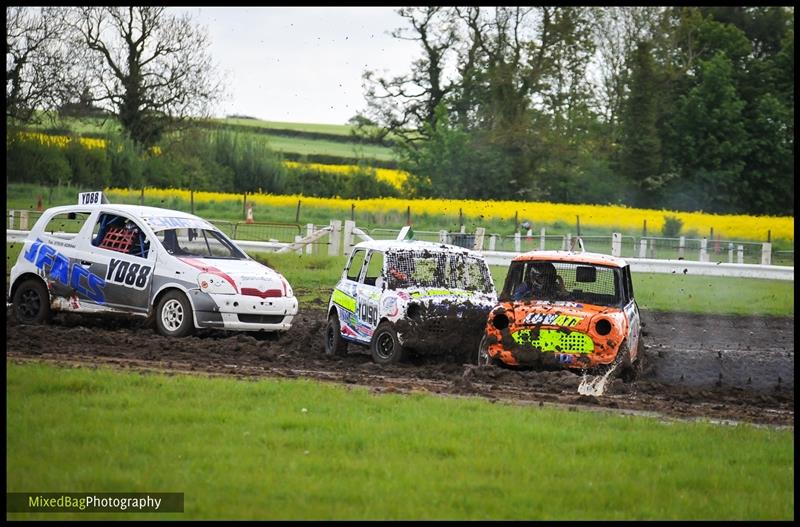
[{"x": 301, "y": 64}]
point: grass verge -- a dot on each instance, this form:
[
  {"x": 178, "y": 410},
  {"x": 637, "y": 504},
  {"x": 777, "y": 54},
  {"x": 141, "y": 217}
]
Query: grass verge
[{"x": 249, "y": 450}]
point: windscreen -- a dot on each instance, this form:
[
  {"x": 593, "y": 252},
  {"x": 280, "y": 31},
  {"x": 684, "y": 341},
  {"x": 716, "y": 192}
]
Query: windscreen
[
  {"x": 447, "y": 270},
  {"x": 561, "y": 281},
  {"x": 199, "y": 243}
]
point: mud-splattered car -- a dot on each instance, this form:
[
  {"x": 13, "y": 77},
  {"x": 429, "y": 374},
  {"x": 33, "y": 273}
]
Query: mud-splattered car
[
  {"x": 396, "y": 296},
  {"x": 173, "y": 267},
  {"x": 565, "y": 309}
]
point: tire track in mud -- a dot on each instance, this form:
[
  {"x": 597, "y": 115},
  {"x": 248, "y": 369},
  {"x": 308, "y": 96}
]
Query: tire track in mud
[{"x": 699, "y": 393}]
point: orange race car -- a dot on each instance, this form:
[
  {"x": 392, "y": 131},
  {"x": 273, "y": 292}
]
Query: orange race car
[{"x": 565, "y": 309}]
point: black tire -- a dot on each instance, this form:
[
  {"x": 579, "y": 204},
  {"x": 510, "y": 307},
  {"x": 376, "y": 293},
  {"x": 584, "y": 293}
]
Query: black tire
[
  {"x": 335, "y": 345},
  {"x": 620, "y": 364},
  {"x": 385, "y": 346},
  {"x": 480, "y": 355},
  {"x": 32, "y": 302},
  {"x": 637, "y": 369},
  {"x": 174, "y": 315}
]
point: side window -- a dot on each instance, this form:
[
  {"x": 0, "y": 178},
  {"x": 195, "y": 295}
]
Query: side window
[
  {"x": 120, "y": 234},
  {"x": 356, "y": 261},
  {"x": 374, "y": 268},
  {"x": 66, "y": 222}
]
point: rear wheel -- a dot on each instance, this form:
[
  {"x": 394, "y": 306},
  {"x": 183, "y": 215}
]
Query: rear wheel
[
  {"x": 385, "y": 345},
  {"x": 32, "y": 302},
  {"x": 174, "y": 315},
  {"x": 334, "y": 343}
]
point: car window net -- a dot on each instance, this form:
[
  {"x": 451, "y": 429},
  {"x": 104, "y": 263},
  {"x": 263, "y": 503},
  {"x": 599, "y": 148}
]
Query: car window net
[
  {"x": 406, "y": 269},
  {"x": 557, "y": 281}
]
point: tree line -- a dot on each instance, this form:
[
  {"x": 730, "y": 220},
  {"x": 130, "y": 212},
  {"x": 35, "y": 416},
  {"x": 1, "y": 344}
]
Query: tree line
[{"x": 685, "y": 108}]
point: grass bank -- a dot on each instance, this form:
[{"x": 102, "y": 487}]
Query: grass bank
[{"x": 275, "y": 449}]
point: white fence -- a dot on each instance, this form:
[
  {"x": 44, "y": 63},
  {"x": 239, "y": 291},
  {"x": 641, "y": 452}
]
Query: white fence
[{"x": 341, "y": 241}]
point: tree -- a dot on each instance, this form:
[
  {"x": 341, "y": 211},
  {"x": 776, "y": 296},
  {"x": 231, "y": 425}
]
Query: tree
[
  {"x": 710, "y": 138},
  {"x": 640, "y": 154},
  {"x": 150, "y": 68},
  {"x": 39, "y": 66},
  {"x": 404, "y": 104}
]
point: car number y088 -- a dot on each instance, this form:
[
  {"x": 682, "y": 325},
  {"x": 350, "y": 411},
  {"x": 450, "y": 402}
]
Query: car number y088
[{"x": 127, "y": 273}]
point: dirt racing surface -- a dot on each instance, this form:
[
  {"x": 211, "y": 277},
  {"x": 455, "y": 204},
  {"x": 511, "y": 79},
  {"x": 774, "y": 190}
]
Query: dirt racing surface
[{"x": 722, "y": 368}]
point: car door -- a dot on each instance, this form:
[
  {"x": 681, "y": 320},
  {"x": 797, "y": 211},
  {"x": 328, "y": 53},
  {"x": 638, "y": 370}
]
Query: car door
[
  {"x": 345, "y": 297},
  {"x": 368, "y": 293},
  {"x": 631, "y": 311},
  {"x": 119, "y": 250}
]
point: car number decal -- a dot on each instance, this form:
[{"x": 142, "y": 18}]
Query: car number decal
[
  {"x": 368, "y": 311},
  {"x": 129, "y": 274}
]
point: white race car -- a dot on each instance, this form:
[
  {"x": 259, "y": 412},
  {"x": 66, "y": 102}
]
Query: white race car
[
  {"x": 172, "y": 266},
  {"x": 399, "y": 295}
]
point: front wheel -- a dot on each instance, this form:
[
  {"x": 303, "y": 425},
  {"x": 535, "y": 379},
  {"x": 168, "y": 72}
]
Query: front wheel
[
  {"x": 334, "y": 343},
  {"x": 385, "y": 345},
  {"x": 480, "y": 356},
  {"x": 32, "y": 302},
  {"x": 174, "y": 315}
]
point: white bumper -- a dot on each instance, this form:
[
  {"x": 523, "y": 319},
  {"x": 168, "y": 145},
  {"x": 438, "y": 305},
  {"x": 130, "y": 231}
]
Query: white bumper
[{"x": 251, "y": 313}]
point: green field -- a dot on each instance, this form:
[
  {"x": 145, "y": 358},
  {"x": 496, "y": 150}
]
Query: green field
[
  {"x": 247, "y": 450},
  {"x": 335, "y": 129},
  {"x": 304, "y": 146}
]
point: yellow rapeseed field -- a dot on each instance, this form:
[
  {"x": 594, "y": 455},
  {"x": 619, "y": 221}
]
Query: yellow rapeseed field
[
  {"x": 539, "y": 213},
  {"x": 63, "y": 140},
  {"x": 391, "y": 176}
]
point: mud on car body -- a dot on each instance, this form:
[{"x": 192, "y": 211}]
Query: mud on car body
[
  {"x": 567, "y": 310},
  {"x": 175, "y": 267},
  {"x": 394, "y": 296}
]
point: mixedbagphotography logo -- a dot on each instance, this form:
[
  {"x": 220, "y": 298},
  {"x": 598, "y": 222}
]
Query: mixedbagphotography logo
[{"x": 94, "y": 502}]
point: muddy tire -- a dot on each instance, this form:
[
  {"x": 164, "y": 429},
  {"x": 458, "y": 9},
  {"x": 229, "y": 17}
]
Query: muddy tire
[
  {"x": 335, "y": 345},
  {"x": 480, "y": 355},
  {"x": 32, "y": 302},
  {"x": 174, "y": 315},
  {"x": 385, "y": 345},
  {"x": 620, "y": 365},
  {"x": 637, "y": 369}
]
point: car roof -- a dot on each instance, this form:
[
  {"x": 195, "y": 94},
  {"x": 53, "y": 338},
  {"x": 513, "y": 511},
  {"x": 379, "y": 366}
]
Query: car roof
[
  {"x": 412, "y": 245},
  {"x": 572, "y": 257},
  {"x": 141, "y": 211}
]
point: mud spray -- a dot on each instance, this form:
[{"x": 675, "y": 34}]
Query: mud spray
[{"x": 595, "y": 384}]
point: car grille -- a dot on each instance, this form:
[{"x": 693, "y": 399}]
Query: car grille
[
  {"x": 261, "y": 319},
  {"x": 557, "y": 340}
]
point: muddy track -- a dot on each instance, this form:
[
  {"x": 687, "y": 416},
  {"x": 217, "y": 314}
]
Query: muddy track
[{"x": 720, "y": 368}]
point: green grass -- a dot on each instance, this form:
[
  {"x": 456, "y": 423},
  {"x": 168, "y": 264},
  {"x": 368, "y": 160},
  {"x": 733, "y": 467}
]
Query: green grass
[
  {"x": 305, "y": 146},
  {"x": 336, "y": 129},
  {"x": 246, "y": 450}
]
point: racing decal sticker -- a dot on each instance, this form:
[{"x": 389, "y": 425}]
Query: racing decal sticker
[
  {"x": 390, "y": 306},
  {"x": 162, "y": 222},
  {"x": 129, "y": 274},
  {"x": 552, "y": 319},
  {"x": 59, "y": 268},
  {"x": 210, "y": 269},
  {"x": 344, "y": 300},
  {"x": 554, "y": 340}
]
